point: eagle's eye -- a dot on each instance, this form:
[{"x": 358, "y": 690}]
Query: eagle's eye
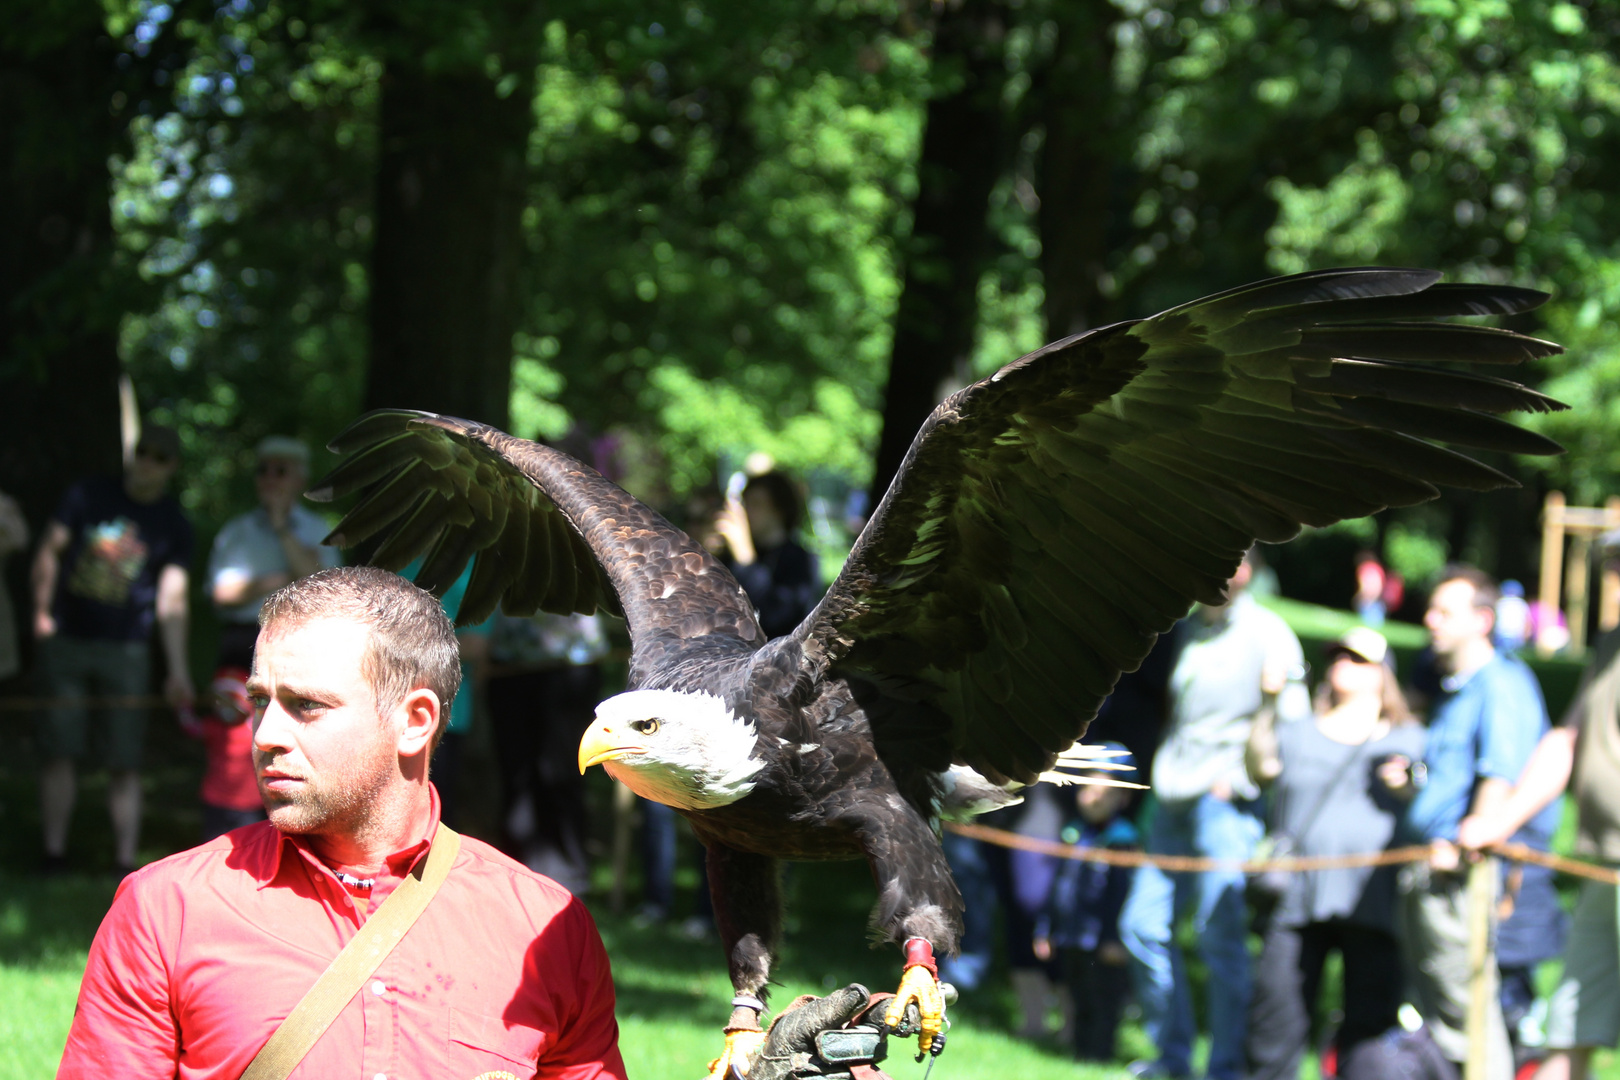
[{"x": 645, "y": 727}]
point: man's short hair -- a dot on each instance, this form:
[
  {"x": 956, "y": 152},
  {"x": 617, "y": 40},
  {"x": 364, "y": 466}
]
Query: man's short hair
[
  {"x": 412, "y": 642},
  {"x": 1486, "y": 592}
]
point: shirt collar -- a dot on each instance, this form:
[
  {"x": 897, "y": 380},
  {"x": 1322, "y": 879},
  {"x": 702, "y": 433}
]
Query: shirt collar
[
  {"x": 1238, "y": 605},
  {"x": 1453, "y": 683},
  {"x": 399, "y": 863}
]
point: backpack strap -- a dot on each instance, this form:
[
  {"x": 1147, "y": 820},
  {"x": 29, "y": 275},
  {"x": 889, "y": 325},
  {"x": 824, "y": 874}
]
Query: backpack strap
[{"x": 357, "y": 962}]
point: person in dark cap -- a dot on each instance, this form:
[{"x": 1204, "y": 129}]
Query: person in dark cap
[
  {"x": 112, "y": 565},
  {"x": 1079, "y": 925}
]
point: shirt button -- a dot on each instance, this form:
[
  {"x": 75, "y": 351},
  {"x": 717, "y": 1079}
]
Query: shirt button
[
  {"x": 379, "y": 988},
  {"x": 380, "y": 1076}
]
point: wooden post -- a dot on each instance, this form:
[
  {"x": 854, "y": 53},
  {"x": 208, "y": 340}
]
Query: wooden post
[
  {"x": 1482, "y": 878},
  {"x": 1577, "y": 581},
  {"x": 1609, "y": 580},
  {"x": 1552, "y": 567},
  {"x": 624, "y": 803}
]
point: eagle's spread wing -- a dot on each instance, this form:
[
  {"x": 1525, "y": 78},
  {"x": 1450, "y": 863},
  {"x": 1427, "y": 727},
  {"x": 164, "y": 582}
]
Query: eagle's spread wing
[
  {"x": 1051, "y": 520},
  {"x": 548, "y": 533}
]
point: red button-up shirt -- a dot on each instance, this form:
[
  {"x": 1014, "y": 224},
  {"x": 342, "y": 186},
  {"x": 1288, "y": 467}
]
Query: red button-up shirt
[{"x": 205, "y": 953}]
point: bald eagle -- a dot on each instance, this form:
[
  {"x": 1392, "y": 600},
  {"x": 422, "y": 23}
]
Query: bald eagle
[{"x": 1047, "y": 524}]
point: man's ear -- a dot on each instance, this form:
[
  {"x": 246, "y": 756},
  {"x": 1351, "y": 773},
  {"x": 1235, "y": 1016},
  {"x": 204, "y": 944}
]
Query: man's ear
[{"x": 421, "y": 709}]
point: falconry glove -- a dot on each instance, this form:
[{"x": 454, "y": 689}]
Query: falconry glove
[{"x": 818, "y": 1037}]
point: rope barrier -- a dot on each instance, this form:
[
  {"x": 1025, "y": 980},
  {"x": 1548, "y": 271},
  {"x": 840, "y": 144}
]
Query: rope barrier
[{"x": 1199, "y": 863}]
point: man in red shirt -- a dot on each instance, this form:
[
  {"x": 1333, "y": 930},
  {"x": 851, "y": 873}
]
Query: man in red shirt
[{"x": 205, "y": 953}]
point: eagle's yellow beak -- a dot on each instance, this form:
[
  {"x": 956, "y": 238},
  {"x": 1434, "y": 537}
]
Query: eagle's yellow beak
[{"x": 603, "y": 742}]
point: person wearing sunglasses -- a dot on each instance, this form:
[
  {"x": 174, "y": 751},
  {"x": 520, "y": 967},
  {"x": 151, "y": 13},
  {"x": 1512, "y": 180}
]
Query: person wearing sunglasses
[
  {"x": 111, "y": 567},
  {"x": 276, "y": 543},
  {"x": 1339, "y": 784}
]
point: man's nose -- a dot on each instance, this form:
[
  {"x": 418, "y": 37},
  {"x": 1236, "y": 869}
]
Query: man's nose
[{"x": 272, "y": 729}]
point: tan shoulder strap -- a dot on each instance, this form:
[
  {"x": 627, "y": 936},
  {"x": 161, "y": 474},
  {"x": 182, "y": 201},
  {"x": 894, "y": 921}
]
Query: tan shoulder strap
[{"x": 351, "y": 968}]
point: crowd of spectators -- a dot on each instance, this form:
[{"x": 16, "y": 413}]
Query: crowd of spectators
[
  {"x": 1239, "y": 757},
  {"x": 1248, "y": 763}
]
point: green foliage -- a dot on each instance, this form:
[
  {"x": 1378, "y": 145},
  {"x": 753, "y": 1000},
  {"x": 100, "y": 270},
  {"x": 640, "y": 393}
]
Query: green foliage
[
  {"x": 720, "y": 192},
  {"x": 247, "y": 210},
  {"x": 714, "y": 211}
]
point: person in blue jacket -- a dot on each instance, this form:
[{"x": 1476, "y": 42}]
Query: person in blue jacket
[{"x": 1079, "y": 924}]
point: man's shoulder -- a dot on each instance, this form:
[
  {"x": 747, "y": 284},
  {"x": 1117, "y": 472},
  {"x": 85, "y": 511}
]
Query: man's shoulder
[
  {"x": 304, "y": 517},
  {"x": 1507, "y": 673},
  {"x": 1256, "y": 616},
  {"x": 488, "y": 866},
  {"x": 87, "y": 495},
  {"x": 246, "y": 852},
  {"x": 245, "y": 524}
]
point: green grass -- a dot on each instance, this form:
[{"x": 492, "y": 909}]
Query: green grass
[
  {"x": 45, "y": 932},
  {"x": 674, "y": 996}
]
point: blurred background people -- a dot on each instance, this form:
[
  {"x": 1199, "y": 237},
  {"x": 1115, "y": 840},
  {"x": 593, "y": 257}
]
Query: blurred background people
[
  {"x": 1484, "y": 722},
  {"x": 271, "y": 545},
  {"x": 545, "y": 680},
  {"x": 1368, "y": 602},
  {"x": 230, "y": 788},
  {"x": 1035, "y": 974},
  {"x": 13, "y": 538},
  {"x": 760, "y": 531},
  {"x": 1078, "y": 924},
  {"x": 112, "y": 564},
  {"x": 1583, "y": 751},
  {"x": 1513, "y": 619},
  {"x": 1234, "y": 659},
  {"x": 1328, "y": 798}
]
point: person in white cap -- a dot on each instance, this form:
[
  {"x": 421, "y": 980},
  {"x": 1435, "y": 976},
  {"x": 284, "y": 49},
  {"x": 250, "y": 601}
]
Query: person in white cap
[
  {"x": 1338, "y": 787},
  {"x": 268, "y": 547}
]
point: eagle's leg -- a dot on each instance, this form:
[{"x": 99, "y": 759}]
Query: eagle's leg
[
  {"x": 919, "y": 907},
  {"x": 748, "y": 913}
]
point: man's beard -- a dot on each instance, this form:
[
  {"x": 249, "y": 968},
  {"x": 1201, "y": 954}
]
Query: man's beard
[{"x": 336, "y": 804}]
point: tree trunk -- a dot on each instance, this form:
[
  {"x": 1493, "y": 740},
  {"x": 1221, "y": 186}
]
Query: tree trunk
[
  {"x": 444, "y": 268},
  {"x": 1079, "y": 157},
  {"x": 963, "y": 152},
  {"x": 59, "y": 308}
]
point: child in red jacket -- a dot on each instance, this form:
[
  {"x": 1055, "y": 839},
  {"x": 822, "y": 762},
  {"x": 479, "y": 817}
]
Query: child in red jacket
[{"x": 230, "y": 790}]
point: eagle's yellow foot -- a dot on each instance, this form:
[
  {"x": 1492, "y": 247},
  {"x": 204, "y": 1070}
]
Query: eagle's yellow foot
[
  {"x": 742, "y": 1046},
  {"x": 919, "y": 985}
]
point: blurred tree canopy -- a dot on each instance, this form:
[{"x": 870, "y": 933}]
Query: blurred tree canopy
[{"x": 699, "y": 228}]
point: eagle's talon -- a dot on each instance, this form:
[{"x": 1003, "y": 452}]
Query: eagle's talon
[
  {"x": 742, "y": 1047},
  {"x": 919, "y": 986}
]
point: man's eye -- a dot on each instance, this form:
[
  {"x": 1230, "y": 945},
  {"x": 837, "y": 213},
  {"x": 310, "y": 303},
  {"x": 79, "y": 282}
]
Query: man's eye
[
  {"x": 310, "y": 705},
  {"x": 645, "y": 727},
  {"x": 259, "y": 702}
]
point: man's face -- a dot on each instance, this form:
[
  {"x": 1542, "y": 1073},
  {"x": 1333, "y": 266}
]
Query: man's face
[
  {"x": 150, "y": 468},
  {"x": 1100, "y": 804},
  {"x": 321, "y": 751},
  {"x": 1453, "y": 620},
  {"x": 278, "y": 480}
]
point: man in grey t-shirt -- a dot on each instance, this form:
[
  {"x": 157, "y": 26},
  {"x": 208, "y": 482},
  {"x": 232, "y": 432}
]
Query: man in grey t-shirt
[
  {"x": 1230, "y": 659},
  {"x": 268, "y": 547}
]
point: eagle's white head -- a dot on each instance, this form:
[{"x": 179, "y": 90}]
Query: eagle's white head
[{"x": 685, "y": 750}]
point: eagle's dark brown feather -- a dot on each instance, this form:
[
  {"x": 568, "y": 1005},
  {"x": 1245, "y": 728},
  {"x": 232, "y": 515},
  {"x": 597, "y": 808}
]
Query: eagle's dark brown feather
[{"x": 1098, "y": 486}]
